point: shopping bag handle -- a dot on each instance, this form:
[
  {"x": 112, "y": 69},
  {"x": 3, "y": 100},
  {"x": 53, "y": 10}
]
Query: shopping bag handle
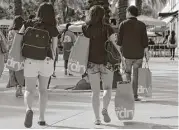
[
  {"x": 122, "y": 58},
  {"x": 146, "y": 64}
]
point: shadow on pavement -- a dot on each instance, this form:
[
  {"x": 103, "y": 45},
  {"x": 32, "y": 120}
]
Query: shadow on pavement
[
  {"x": 140, "y": 125},
  {"x": 68, "y": 107},
  {"x": 161, "y": 102},
  {"x": 63, "y": 127}
]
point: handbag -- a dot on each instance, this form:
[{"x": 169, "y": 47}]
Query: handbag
[
  {"x": 112, "y": 54},
  {"x": 77, "y": 62},
  {"x": 145, "y": 81},
  {"x": 15, "y": 59},
  {"x": 172, "y": 45},
  {"x": 121, "y": 70}
]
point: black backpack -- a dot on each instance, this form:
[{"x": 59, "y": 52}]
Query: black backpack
[{"x": 36, "y": 42}]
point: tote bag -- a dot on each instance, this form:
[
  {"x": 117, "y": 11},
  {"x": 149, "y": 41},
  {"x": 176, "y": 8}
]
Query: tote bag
[
  {"x": 145, "y": 81},
  {"x": 124, "y": 102},
  {"x": 15, "y": 60},
  {"x": 124, "y": 98},
  {"x": 78, "y": 59}
]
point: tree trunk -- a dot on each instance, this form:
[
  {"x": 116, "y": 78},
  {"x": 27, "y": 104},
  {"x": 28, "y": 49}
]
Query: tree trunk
[
  {"x": 17, "y": 7},
  {"x": 53, "y": 1},
  {"x": 138, "y": 4},
  {"x": 122, "y": 6},
  {"x": 61, "y": 7}
]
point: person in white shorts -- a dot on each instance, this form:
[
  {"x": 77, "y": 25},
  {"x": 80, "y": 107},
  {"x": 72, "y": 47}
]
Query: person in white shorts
[{"x": 40, "y": 70}]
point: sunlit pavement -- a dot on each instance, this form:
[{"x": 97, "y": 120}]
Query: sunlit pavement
[{"x": 70, "y": 109}]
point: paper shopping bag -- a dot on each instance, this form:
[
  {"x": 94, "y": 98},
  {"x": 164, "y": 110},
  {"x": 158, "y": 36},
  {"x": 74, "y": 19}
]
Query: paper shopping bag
[
  {"x": 144, "y": 82},
  {"x": 15, "y": 60},
  {"x": 124, "y": 102},
  {"x": 78, "y": 59}
]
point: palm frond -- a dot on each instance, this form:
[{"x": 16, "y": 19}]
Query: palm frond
[{"x": 157, "y": 5}]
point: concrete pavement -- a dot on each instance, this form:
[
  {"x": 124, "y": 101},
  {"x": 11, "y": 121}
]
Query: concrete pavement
[{"x": 71, "y": 109}]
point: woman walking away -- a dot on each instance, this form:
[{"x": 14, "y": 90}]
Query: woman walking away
[
  {"x": 98, "y": 69},
  {"x": 16, "y": 78},
  {"x": 172, "y": 44},
  {"x": 40, "y": 70}
]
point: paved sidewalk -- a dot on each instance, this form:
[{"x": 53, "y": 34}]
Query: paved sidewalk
[{"x": 72, "y": 110}]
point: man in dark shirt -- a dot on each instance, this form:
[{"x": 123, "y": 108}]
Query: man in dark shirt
[{"x": 133, "y": 41}]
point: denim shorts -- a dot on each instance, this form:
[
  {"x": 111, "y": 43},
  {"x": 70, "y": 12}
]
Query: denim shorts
[{"x": 99, "y": 72}]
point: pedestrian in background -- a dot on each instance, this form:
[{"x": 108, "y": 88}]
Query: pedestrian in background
[
  {"x": 29, "y": 21},
  {"x": 16, "y": 78},
  {"x": 172, "y": 41},
  {"x": 133, "y": 40},
  {"x": 68, "y": 40},
  {"x": 166, "y": 37}
]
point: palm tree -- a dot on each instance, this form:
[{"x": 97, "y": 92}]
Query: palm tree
[
  {"x": 53, "y": 1},
  {"x": 156, "y": 5},
  {"x": 60, "y": 7},
  {"x": 17, "y": 7},
  {"x": 122, "y": 6},
  {"x": 138, "y": 3}
]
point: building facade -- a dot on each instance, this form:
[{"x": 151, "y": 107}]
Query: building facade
[{"x": 172, "y": 8}]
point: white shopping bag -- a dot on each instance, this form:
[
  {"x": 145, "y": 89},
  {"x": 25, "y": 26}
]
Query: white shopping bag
[
  {"x": 15, "y": 60},
  {"x": 124, "y": 102},
  {"x": 78, "y": 59},
  {"x": 145, "y": 82}
]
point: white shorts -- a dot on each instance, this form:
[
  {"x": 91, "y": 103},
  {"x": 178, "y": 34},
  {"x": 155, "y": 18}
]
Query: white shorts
[{"x": 34, "y": 68}]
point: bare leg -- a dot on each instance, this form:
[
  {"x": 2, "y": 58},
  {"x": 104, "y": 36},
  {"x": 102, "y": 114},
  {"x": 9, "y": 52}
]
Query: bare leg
[
  {"x": 29, "y": 92},
  {"x": 43, "y": 96},
  {"x": 95, "y": 86}
]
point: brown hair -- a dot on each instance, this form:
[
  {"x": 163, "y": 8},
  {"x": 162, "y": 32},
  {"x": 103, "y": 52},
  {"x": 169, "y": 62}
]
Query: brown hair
[
  {"x": 96, "y": 15},
  {"x": 46, "y": 14}
]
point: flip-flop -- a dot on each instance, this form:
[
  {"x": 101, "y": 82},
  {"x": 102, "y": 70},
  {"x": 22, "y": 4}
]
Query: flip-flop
[
  {"x": 28, "y": 119},
  {"x": 97, "y": 122},
  {"x": 42, "y": 123},
  {"x": 105, "y": 114}
]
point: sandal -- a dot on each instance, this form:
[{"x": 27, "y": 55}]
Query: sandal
[
  {"x": 42, "y": 123},
  {"x": 19, "y": 91},
  {"x": 105, "y": 114},
  {"x": 97, "y": 122},
  {"x": 28, "y": 119}
]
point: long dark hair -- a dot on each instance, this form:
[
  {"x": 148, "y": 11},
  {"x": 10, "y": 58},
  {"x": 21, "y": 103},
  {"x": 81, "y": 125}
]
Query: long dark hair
[
  {"x": 46, "y": 14},
  {"x": 95, "y": 21},
  {"x": 17, "y": 23},
  {"x": 96, "y": 15}
]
